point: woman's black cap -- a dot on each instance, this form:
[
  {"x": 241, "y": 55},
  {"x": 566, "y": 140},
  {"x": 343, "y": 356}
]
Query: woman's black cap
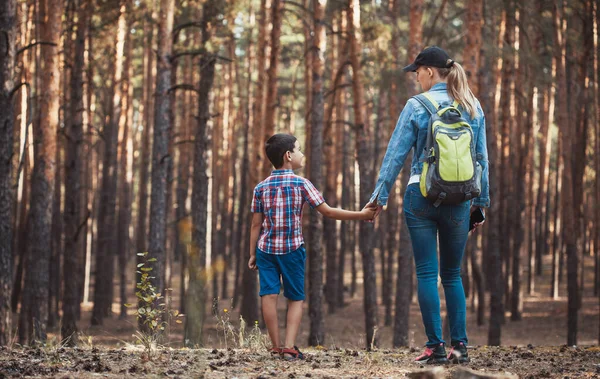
[{"x": 432, "y": 56}]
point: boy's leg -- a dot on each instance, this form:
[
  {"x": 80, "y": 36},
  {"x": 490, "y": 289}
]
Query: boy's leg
[
  {"x": 292, "y": 272},
  {"x": 269, "y": 310},
  {"x": 294, "y": 317},
  {"x": 269, "y": 275}
]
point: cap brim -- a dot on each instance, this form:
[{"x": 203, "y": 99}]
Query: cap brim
[{"x": 410, "y": 67}]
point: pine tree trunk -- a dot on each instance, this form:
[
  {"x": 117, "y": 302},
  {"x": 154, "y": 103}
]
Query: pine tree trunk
[
  {"x": 34, "y": 311},
  {"x": 183, "y": 178},
  {"x": 73, "y": 216},
  {"x": 56, "y": 237},
  {"x": 567, "y": 205},
  {"x": 245, "y": 171},
  {"x": 196, "y": 294},
  {"x": 271, "y": 101},
  {"x": 330, "y": 151},
  {"x": 315, "y": 248},
  {"x": 160, "y": 147},
  {"x": 8, "y": 20},
  {"x": 471, "y": 53},
  {"x": 493, "y": 258},
  {"x": 124, "y": 179},
  {"x": 103, "y": 288},
  {"x": 363, "y": 148},
  {"x": 142, "y": 216}
]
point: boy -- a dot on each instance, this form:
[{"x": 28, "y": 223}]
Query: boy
[{"x": 279, "y": 253}]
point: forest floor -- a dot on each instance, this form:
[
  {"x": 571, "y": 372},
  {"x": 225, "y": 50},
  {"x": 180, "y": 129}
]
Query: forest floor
[
  {"x": 532, "y": 347},
  {"x": 486, "y": 362}
]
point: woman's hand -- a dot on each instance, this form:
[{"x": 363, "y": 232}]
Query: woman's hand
[
  {"x": 477, "y": 224},
  {"x": 377, "y": 209}
]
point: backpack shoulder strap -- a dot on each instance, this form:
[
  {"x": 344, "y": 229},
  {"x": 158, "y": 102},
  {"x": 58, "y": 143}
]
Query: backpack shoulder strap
[{"x": 428, "y": 102}]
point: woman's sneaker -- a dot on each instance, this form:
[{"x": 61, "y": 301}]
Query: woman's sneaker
[
  {"x": 458, "y": 353},
  {"x": 436, "y": 355}
]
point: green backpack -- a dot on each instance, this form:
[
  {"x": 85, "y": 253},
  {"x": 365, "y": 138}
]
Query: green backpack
[{"x": 451, "y": 173}]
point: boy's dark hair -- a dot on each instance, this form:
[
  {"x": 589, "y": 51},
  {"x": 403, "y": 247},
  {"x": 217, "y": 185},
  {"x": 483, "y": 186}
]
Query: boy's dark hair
[{"x": 277, "y": 146}]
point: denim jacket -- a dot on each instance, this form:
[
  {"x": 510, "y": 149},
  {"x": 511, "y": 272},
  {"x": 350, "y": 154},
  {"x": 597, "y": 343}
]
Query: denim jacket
[{"x": 411, "y": 132}]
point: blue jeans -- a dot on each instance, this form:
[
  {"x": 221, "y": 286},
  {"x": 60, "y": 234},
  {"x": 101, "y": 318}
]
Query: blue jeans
[{"x": 451, "y": 223}]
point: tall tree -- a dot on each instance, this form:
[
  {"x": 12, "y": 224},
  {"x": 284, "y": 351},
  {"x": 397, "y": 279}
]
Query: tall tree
[
  {"x": 8, "y": 18},
  {"x": 363, "y": 148},
  {"x": 196, "y": 294},
  {"x": 34, "y": 310},
  {"x": 271, "y": 102},
  {"x": 567, "y": 205},
  {"x": 105, "y": 265},
  {"x": 160, "y": 146},
  {"x": 73, "y": 215},
  {"x": 315, "y": 247}
]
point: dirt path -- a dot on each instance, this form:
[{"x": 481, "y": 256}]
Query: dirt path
[{"x": 524, "y": 362}]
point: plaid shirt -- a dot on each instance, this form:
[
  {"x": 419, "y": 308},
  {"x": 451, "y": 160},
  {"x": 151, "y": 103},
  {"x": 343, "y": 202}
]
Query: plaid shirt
[{"x": 281, "y": 197}]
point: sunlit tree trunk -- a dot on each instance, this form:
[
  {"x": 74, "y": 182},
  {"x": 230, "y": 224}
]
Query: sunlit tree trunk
[
  {"x": 34, "y": 311},
  {"x": 103, "y": 288}
]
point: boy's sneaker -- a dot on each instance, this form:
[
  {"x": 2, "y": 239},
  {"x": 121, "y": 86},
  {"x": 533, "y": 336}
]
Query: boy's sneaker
[
  {"x": 437, "y": 355},
  {"x": 458, "y": 353}
]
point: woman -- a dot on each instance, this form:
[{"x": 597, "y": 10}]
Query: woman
[{"x": 445, "y": 81}]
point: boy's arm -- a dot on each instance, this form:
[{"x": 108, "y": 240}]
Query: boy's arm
[
  {"x": 257, "y": 219},
  {"x": 367, "y": 213}
]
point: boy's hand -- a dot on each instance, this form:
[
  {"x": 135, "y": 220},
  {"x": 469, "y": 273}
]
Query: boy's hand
[
  {"x": 369, "y": 212},
  {"x": 376, "y": 208},
  {"x": 252, "y": 263}
]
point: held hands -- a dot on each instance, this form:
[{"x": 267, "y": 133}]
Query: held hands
[
  {"x": 376, "y": 210},
  {"x": 369, "y": 212}
]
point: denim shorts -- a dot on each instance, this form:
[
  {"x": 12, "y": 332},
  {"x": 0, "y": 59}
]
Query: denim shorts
[{"x": 289, "y": 268}]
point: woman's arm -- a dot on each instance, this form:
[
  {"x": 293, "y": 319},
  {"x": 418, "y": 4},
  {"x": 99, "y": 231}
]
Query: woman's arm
[
  {"x": 482, "y": 157},
  {"x": 402, "y": 140}
]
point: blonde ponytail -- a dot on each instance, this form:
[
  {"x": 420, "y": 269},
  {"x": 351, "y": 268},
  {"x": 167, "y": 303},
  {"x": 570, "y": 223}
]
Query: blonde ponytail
[{"x": 458, "y": 87}]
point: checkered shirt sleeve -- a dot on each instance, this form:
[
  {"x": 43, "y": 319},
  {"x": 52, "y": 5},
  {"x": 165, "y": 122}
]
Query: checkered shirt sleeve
[
  {"x": 257, "y": 205},
  {"x": 311, "y": 195}
]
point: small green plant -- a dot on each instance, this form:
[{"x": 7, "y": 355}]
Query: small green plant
[{"x": 153, "y": 311}]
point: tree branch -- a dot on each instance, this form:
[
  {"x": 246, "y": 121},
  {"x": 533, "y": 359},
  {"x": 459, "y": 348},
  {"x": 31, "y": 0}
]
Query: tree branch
[
  {"x": 186, "y": 87},
  {"x": 21, "y": 50},
  {"x": 437, "y": 16}
]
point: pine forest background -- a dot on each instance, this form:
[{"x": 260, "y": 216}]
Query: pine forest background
[{"x": 131, "y": 126}]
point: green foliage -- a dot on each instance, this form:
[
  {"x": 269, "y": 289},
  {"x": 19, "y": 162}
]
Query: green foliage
[{"x": 153, "y": 310}]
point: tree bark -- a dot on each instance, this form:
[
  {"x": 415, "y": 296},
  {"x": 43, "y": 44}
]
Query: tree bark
[
  {"x": 363, "y": 148},
  {"x": 567, "y": 205},
  {"x": 494, "y": 257},
  {"x": 272, "y": 101},
  {"x": 103, "y": 288},
  {"x": 315, "y": 247},
  {"x": 34, "y": 311},
  {"x": 160, "y": 147},
  {"x": 196, "y": 294},
  {"x": 8, "y": 18},
  {"x": 73, "y": 216}
]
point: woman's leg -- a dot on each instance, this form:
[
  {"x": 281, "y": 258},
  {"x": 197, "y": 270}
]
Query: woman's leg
[
  {"x": 454, "y": 231},
  {"x": 419, "y": 213}
]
